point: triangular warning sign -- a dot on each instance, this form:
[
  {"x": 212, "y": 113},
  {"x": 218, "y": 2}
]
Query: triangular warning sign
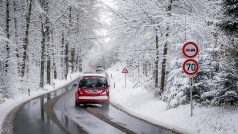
[{"x": 124, "y": 70}]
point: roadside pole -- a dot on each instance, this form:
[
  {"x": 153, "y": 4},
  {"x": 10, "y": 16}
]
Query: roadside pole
[
  {"x": 191, "y": 94},
  {"x": 29, "y": 92},
  {"x": 125, "y": 71},
  {"x": 190, "y": 66},
  {"x": 125, "y": 80}
]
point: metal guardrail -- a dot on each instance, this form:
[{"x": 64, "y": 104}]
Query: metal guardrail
[
  {"x": 7, "y": 126},
  {"x": 48, "y": 96}
]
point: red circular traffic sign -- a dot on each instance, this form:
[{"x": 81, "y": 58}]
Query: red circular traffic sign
[
  {"x": 190, "y": 67},
  {"x": 190, "y": 49}
]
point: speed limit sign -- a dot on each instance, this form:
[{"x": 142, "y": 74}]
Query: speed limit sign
[{"x": 190, "y": 67}]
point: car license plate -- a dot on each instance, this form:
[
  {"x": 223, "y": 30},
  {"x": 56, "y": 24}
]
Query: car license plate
[{"x": 92, "y": 91}]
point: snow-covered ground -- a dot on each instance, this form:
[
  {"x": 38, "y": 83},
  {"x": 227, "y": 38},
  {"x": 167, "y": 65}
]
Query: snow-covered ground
[
  {"x": 10, "y": 104},
  {"x": 141, "y": 103}
]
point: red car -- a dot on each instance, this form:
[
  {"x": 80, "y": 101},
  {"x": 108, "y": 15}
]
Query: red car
[{"x": 92, "y": 89}]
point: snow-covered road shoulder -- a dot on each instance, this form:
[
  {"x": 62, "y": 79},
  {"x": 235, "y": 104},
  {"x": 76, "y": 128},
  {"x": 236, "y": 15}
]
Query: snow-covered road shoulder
[
  {"x": 142, "y": 104},
  {"x": 10, "y": 104}
]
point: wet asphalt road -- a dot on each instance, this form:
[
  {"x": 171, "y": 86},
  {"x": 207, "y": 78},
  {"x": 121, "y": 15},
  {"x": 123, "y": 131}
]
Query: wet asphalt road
[
  {"x": 31, "y": 119},
  {"x": 87, "y": 118}
]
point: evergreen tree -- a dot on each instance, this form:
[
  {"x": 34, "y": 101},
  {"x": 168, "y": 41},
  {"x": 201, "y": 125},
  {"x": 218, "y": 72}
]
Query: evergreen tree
[
  {"x": 230, "y": 23},
  {"x": 228, "y": 83}
]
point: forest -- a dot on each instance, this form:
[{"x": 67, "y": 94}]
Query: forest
[{"x": 42, "y": 40}]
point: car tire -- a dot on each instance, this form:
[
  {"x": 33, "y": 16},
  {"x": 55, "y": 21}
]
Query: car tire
[
  {"x": 105, "y": 105},
  {"x": 76, "y": 104}
]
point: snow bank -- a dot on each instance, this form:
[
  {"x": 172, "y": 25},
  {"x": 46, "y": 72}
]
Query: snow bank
[
  {"x": 10, "y": 104},
  {"x": 141, "y": 103}
]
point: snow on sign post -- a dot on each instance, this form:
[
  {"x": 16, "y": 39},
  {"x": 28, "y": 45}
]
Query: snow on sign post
[
  {"x": 125, "y": 71},
  {"x": 190, "y": 66}
]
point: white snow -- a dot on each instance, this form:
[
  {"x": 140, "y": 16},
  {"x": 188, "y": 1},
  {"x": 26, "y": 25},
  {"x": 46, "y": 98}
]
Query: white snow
[
  {"x": 10, "y": 104},
  {"x": 141, "y": 103}
]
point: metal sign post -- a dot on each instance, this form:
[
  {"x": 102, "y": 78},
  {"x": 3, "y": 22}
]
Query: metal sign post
[
  {"x": 125, "y": 71},
  {"x": 190, "y": 66},
  {"x": 191, "y": 94},
  {"x": 125, "y": 80}
]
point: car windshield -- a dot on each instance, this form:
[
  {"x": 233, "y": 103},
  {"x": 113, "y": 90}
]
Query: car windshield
[{"x": 90, "y": 82}]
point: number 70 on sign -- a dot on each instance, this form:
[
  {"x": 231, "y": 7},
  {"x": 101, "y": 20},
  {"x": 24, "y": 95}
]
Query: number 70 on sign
[{"x": 190, "y": 67}]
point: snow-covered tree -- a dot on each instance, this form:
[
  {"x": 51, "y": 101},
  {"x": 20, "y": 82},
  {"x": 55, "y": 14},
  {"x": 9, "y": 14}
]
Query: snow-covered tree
[
  {"x": 42, "y": 39},
  {"x": 230, "y": 22},
  {"x": 143, "y": 34},
  {"x": 227, "y": 90}
]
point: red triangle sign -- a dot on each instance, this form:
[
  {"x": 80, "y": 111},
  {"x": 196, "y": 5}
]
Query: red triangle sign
[{"x": 124, "y": 70}]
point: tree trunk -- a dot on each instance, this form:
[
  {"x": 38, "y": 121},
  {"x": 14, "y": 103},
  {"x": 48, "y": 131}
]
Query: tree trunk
[
  {"x": 156, "y": 59},
  {"x": 48, "y": 64},
  {"x": 163, "y": 70},
  {"x": 164, "y": 61},
  {"x": 78, "y": 51},
  {"x": 66, "y": 60},
  {"x": 80, "y": 69},
  {"x": 53, "y": 60},
  {"x": 55, "y": 72},
  {"x": 62, "y": 54},
  {"x": 42, "y": 67},
  {"x": 26, "y": 38},
  {"x": 15, "y": 25},
  {"x": 72, "y": 61},
  {"x": 77, "y": 60},
  {"x": 67, "y": 44},
  {"x": 156, "y": 63},
  {"x": 16, "y": 38},
  {"x": 48, "y": 47},
  {"x": 8, "y": 34}
]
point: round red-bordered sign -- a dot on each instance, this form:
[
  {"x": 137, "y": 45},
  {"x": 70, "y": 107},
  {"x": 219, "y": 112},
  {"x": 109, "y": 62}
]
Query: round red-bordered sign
[
  {"x": 192, "y": 67},
  {"x": 190, "y": 49}
]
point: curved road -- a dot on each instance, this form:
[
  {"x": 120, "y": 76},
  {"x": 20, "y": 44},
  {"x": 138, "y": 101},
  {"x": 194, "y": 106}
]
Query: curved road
[
  {"x": 60, "y": 116},
  {"x": 88, "y": 118}
]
